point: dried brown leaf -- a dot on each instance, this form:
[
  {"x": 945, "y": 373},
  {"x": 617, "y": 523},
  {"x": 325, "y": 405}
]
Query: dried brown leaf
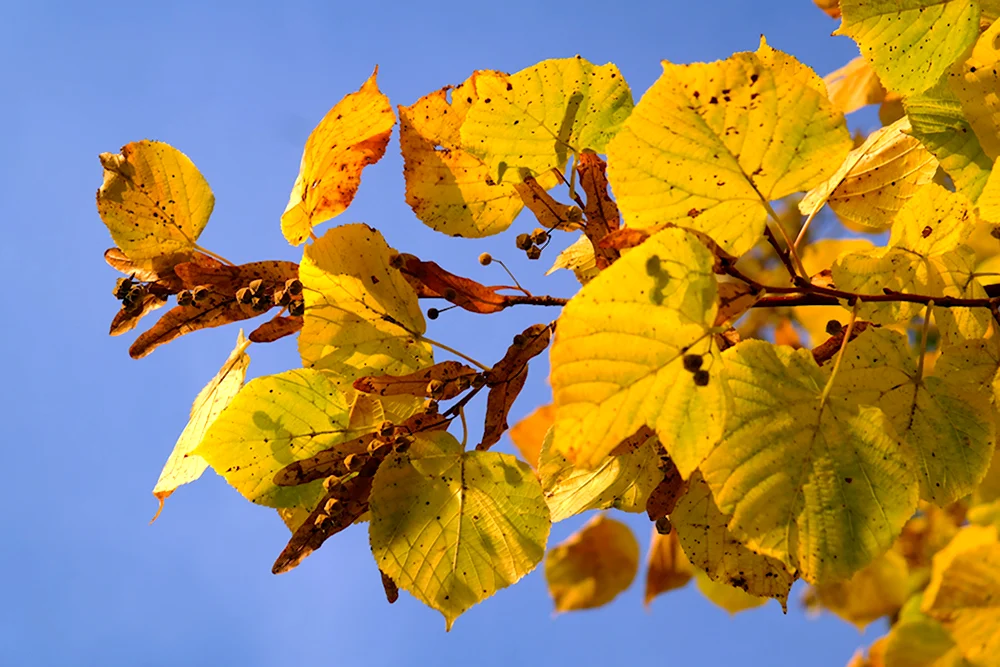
[
  {"x": 441, "y": 381},
  {"x": 549, "y": 212},
  {"x": 276, "y": 328},
  {"x": 664, "y": 497},
  {"x": 601, "y": 211},
  {"x": 462, "y": 292}
]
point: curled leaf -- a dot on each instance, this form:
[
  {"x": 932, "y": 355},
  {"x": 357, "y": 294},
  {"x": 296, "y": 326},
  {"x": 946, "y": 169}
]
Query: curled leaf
[
  {"x": 462, "y": 292},
  {"x": 442, "y": 381},
  {"x": 276, "y": 328},
  {"x": 593, "y": 566},
  {"x": 507, "y": 378}
]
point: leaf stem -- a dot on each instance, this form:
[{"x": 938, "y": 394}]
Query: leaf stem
[
  {"x": 458, "y": 354},
  {"x": 923, "y": 341},
  {"x": 213, "y": 255},
  {"x": 840, "y": 354},
  {"x": 805, "y": 227}
]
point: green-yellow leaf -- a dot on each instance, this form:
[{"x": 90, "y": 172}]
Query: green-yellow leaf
[
  {"x": 448, "y": 188},
  {"x": 940, "y": 124},
  {"x": 976, "y": 84},
  {"x": 154, "y": 202},
  {"x": 823, "y": 487},
  {"x": 878, "y": 590},
  {"x": 989, "y": 200},
  {"x": 539, "y": 117},
  {"x": 964, "y": 593},
  {"x": 454, "y": 527},
  {"x": 922, "y": 642},
  {"x": 617, "y": 361},
  {"x": 710, "y": 143},
  {"x": 623, "y": 482},
  {"x": 730, "y": 598},
  {"x": 182, "y": 466},
  {"x": 710, "y": 545},
  {"x": 352, "y": 135},
  {"x": 362, "y": 317},
  {"x": 578, "y": 258},
  {"x": 593, "y": 565},
  {"x": 947, "y": 426},
  {"x": 274, "y": 421},
  {"x": 910, "y": 43},
  {"x": 876, "y": 179}
]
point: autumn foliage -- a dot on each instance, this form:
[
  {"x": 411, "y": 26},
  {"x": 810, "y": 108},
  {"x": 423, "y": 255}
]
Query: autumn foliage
[{"x": 781, "y": 406}]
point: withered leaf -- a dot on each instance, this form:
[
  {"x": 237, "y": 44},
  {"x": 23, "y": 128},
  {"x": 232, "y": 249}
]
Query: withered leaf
[
  {"x": 734, "y": 300},
  {"x": 827, "y": 350},
  {"x": 276, "y": 328},
  {"x": 634, "y": 441},
  {"x": 549, "y": 212},
  {"x": 462, "y": 292},
  {"x": 601, "y": 211},
  {"x": 391, "y": 589},
  {"x": 507, "y": 379},
  {"x": 668, "y": 569},
  {"x": 125, "y": 320},
  {"x": 625, "y": 238},
  {"x": 441, "y": 381},
  {"x": 664, "y": 497},
  {"x": 220, "y": 306},
  {"x": 342, "y": 505}
]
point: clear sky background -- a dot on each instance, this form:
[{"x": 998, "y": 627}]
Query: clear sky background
[{"x": 238, "y": 86}]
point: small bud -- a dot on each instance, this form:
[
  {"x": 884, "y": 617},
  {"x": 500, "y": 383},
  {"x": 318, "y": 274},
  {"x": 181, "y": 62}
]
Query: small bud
[
  {"x": 330, "y": 506},
  {"x": 433, "y": 387},
  {"x": 293, "y": 286},
  {"x": 432, "y": 313},
  {"x": 478, "y": 381},
  {"x": 574, "y": 214},
  {"x": 199, "y": 293},
  {"x": 386, "y": 429},
  {"x": 450, "y": 294},
  {"x": 260, "y": 303},
  {"x": 539, "y": 236},
  {"x": 833, "y": 327},
  {"x": 396, "y": 261},
  {"x": 692, "y": 362},
  {"x": 701, "y": 378},
  {"x": 534, "y": 252},
  {"x": 995, "y": 232},
  {"x": 519, "y": 340},
  {"x": 401, "y": 445},
  {"x": 296, "y": 308},
  {"x": 663, "y": 525},
  {"x": 486, "y": 259},
  {"x": 331, "y": 482},
  {"x": 281, "y": 297},
  {"x": 244, "y": 296},
  {"x": 523, "y": 241},
  {"x": 431, "y": 408},
  {"x": 256, "y": 287},
  {"x": 375, "y": 445},
  {"x": 185, "y": 298},
  {"x": 352, "y": 462}
]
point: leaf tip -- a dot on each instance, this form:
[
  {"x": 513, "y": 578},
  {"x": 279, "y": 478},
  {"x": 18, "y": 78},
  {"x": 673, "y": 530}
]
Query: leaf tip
[{"x": 160, "y": 496}]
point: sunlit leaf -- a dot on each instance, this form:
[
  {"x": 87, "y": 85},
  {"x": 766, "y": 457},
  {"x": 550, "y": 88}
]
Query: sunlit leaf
[
  {"x": 710, "y": 546},
  {"x": 854, "y": 85},
  {"x": 822, "y": 486},
  {"x": 529, "y": 433},
  {"x": 989, "y": 200},
  {"x": 617, "y": 361},
  {"x": 623, "y": 482},
  {"x": 539, "y": 117},
  {"x": 922, "y": 642},
  {"x": 730, "y": 598},
  {"x": 593, "y": 566},
  {"x": 352, "y": 135},
  {"x": 579, "y": 258},
  {"x": 362, "y": 317},
  {"x": 976, "y": 84},
  {"x": 454, "y": 527},
  {"x": 709, "y": 144},
  {"x": 183, "y": 466},
  {"x": 154, "y": 202},
  {"x": 448, "y": 188},
  {"x": 910, "y": 44},
  {"x": 876, "y": 179}
]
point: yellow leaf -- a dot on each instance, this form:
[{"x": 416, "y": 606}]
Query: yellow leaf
[
  {"x": 878, "y": 590},
  {"x": 578, "y": 258},
  {"x": 183, "y": 466},
  {"x": 668, "y": 567},
  {"x": 922, "y": 642},
  {"x": 529, "y": 433},
  {"x": 910, "y": 44},
  {"x": 361, "y": 316},
  {"x": 989, "y": 200},
  {"x": 977, "y": 86},
  {"x": 448, "y": 188},
  {"x": 454, "y": 527},
  {"x": 710, "y": 546},
  {"x": 830, "y": 7},
  {"x": 947, "y": 426},
  {"x": 730, "y": 598},
  {"x": 623, "y": 482},
  {"x": 816, "y": 257},
  {"x": 854, "y": 85},
  {"x": 617, "y": 361},
  {"x": 537, "y": 118},
  {"x": 821, "y": 486},
  {"x": 939, "y": 123},
  {"x": 710, "y": 144},
  {"x": 154, "y": 202},
  {"x": 352, "y": 135},
  {"x": 876, "y": 179},
  {"x": 276, "y": 420},
  {"x": 964, "y": 593},
  {"x": 593, "y": 566}
]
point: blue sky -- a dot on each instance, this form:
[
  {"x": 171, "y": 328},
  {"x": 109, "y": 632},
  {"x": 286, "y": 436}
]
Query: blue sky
[{"x": 238, "y": 86}]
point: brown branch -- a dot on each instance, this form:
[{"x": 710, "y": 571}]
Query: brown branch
[
  {"x": 785, "y": 256},
  {"x": 543, "y": 300}
]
